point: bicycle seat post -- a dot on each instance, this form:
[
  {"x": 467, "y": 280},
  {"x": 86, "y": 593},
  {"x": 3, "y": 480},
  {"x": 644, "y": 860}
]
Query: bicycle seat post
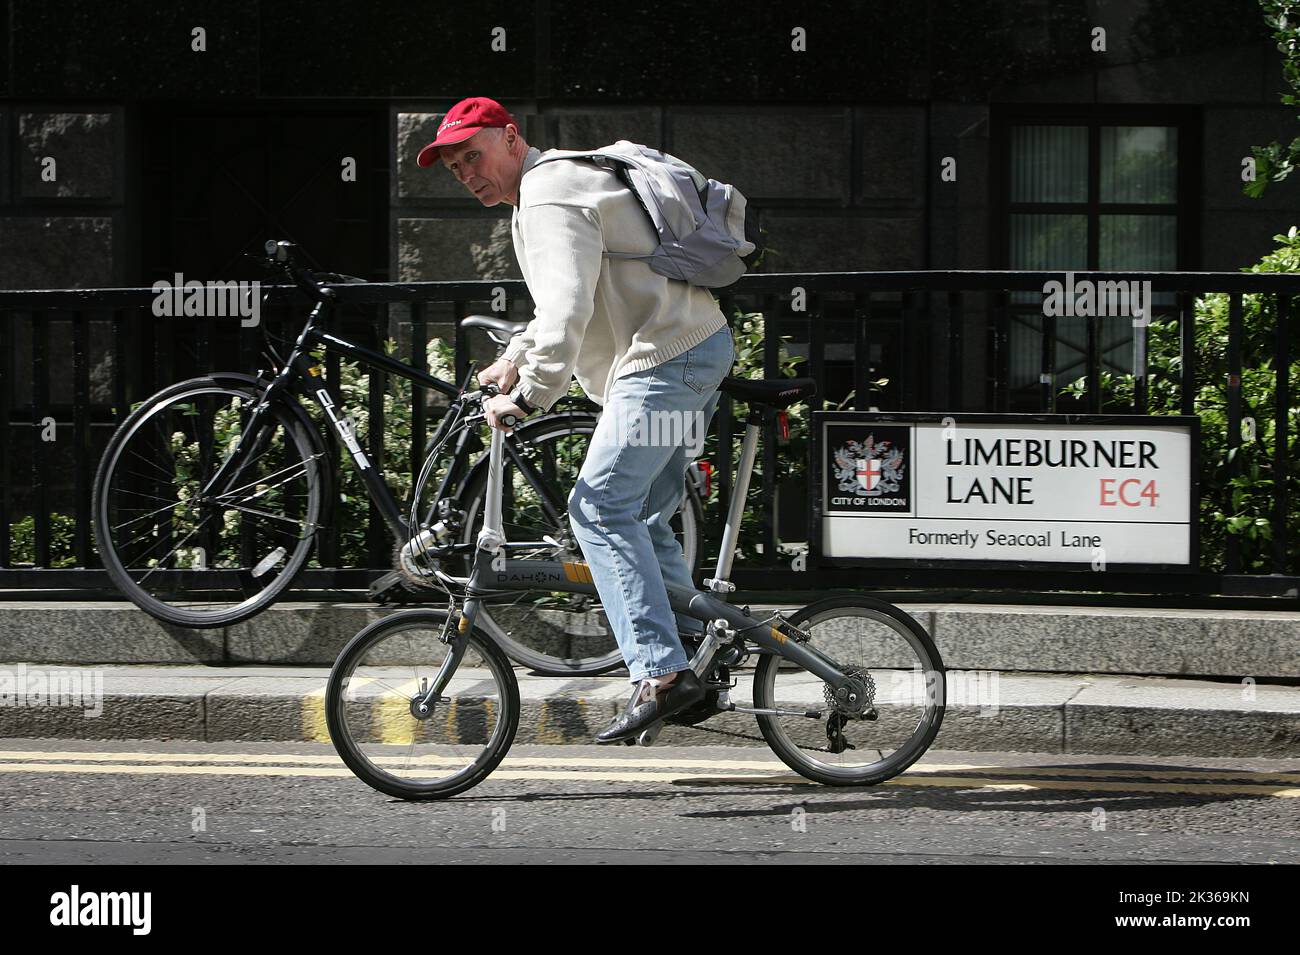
[
  {"x": 719, "y": 583},
  {"x": 762, "y": 396}
]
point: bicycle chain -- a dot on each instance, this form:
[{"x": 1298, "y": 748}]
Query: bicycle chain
[
  {"x": 717, "y": 732},
  {"x": 758, "y": 739}
]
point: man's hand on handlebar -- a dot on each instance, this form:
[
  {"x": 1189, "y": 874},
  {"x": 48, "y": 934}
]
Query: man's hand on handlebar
[
  {"x": 500, "y": 406},
  {"x": 501, "y": 373}
]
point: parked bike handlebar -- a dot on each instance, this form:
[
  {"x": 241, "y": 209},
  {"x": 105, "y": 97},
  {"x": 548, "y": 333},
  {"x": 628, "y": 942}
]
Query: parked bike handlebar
[{"x": 282, "y": 255}]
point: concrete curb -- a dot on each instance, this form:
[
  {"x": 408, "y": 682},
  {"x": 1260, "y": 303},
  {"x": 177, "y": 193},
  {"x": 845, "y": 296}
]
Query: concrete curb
[
  {"x": 987, "y": 711},
  {"x": 1260, "y": 644}
]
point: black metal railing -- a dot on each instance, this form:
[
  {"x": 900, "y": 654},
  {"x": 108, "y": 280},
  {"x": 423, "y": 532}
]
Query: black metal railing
[{"x": 74, "y": 361}]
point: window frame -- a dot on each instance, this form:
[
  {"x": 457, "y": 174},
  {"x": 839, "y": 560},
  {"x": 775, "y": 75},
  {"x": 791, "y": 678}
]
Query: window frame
[{"x": 1186, "y": 209}]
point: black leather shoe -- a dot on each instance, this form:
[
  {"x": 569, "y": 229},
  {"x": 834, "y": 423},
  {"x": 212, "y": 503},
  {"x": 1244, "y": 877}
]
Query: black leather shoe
[
  {"x": 646, "y": 708},
  {"x": 707, "y": 708}
]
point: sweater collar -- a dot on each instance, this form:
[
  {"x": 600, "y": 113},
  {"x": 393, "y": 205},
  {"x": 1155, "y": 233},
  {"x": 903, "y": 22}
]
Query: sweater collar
[{"x": 530, "y": 160}]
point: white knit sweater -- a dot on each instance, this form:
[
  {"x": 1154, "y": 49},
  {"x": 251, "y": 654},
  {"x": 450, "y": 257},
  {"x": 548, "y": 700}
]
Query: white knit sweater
[{"x": 596, "y": 319}]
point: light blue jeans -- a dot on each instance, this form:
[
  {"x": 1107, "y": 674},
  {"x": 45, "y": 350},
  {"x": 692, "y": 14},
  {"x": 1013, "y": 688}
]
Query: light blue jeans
[{"x": 630, "y": 486}]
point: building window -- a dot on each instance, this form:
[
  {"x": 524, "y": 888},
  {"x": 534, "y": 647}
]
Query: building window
[{"x": 1097, "y": 190}]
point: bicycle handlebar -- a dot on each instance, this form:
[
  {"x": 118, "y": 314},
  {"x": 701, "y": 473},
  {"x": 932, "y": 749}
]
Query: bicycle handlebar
[
  {"x": 282, "y": 254},
  {"x": 490, "y": 390}
]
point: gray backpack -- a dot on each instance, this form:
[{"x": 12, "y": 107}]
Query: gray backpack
[{"x": 706, "y": 236}]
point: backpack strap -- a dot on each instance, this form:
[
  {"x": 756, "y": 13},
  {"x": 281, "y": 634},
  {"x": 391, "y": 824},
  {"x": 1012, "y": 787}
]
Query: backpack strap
[{"x": 628, "y": 169}]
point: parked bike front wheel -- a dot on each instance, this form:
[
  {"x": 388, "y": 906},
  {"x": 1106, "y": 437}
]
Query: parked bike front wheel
[{"x": 200, "y": 556}]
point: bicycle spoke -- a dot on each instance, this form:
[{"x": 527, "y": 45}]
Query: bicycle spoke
[
  {"x": 150, "y": 514},
  {"x": 301, "y": 471},
  {"x": 260, "y": 513}
]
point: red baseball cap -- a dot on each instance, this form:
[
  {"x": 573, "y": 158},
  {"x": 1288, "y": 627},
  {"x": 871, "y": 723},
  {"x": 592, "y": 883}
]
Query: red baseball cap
[{"x": 462, "y": 121}]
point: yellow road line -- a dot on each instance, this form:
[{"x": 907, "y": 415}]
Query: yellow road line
[
  {"x": 331, "y": 758},
  {"x": 322, "y": 771},
  {"x": 668, "y": 763}
]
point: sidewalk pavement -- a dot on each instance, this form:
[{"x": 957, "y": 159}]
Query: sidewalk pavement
[{"x": 988, "y": 710}]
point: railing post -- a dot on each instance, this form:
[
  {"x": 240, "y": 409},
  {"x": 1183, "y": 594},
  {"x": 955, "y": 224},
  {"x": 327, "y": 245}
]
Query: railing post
[
  {"x": 40, "y": 449},
  {"x": 861, "y": 351},
  {"x": 906, "y": 373},
  {"x": 81, "y": 438},
  {"x": 330, "y": 547},
  {"x": 6, "y": 433},
  {"x": 998, "y": 394},
  {"x": 460, "y": 341},
  {"x": 250, "y": 360},
  {"x": 1281, "y": 450},
  {"x": 1141, "y": 361},
  {"x": 956, "y": 330},
  {"x": 771, "y": 369},
  {"x": 817, "y": 348},
  {"x": 1094, "y": 364},
  {"x": 1232, "y": 540},
  {"x": 1187, "y": 351},
  {"x": 1047, "y": 365},
  {"x": 419, "y": 396},
  {"x": 379, "y": 551}
]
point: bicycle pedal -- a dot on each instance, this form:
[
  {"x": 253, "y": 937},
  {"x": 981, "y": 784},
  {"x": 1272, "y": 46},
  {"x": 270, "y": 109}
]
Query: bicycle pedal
[{"x": 649, "y": 735}]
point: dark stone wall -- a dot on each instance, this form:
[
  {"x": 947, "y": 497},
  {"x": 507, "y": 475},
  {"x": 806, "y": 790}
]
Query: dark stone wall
[
  {"x": 838, "y": 147},
  {"x": 660, "y": 51}
]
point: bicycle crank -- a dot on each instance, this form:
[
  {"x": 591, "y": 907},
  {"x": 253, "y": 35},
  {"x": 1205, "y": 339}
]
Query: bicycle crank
[{"x": 647, "y": 736}]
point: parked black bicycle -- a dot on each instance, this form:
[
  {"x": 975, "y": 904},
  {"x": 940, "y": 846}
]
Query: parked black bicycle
[{"x": 212, "y": 492}]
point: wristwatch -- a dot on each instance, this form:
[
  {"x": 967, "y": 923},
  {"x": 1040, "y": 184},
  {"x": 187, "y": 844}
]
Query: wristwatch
[{"x": 517, "y": 396}]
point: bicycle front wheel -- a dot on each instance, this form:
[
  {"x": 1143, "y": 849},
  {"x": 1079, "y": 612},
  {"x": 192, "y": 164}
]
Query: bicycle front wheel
[
  {"x": 372, "y": 708},
  {"x": 200, "y": 556},
  {"x": 898, "y": 667}
]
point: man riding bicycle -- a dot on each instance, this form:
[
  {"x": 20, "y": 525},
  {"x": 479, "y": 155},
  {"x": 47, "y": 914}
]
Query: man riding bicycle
[{"x": 646, "y": 347}]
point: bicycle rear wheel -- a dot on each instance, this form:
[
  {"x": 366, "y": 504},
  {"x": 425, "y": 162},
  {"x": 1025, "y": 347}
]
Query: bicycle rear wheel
[
  {"x": 903, "y": 677},
  {"x": 196, "y": 559},
  {"x": 373, "y": 722}
]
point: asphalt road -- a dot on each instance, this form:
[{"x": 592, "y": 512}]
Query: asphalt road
[{"x": 185, "y": 802}]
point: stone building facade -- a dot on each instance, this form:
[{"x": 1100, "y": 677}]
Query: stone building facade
[{"x": 836, "y": 120}]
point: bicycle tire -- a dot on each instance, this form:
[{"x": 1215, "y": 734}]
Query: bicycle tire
[
  {"x": 344, "y": 739},
  {"x": 106, "y": 497},
  {"x": 797, "y": 757}
]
